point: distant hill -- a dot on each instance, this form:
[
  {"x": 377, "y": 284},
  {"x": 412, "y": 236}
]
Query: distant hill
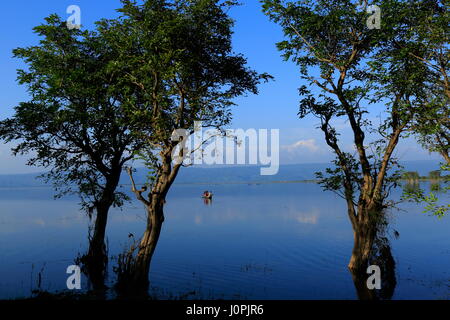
[
  {"x": 20, "y": 180},
  {"x": 292, "y": 172},
  {"x": 224, "y": 174}
]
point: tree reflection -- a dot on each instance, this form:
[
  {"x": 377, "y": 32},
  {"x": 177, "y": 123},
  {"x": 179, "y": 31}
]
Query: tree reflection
[
  {"x": 381, "y": 256},
  {"x": 94, "y": 265}
]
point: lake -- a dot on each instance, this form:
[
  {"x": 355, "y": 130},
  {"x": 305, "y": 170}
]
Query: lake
[{"x": 253, "y": 241}]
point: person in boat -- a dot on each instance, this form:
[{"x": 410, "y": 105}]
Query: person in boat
[{"x": 207, "y": 195}]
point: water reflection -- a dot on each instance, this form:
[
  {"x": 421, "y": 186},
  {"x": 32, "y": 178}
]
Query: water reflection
[
  {"x": 382, "y": 257},
  {"x": 411, "y": 187},
  {"x": 435, "y": 185},
  {"x": 372, "y": 248},
  {"x": 95, "y": 269},
  {"x": 223, "y": 251}
]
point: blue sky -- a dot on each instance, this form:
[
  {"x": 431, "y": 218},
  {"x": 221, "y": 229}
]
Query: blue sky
[{"x": 255, "y": 36}]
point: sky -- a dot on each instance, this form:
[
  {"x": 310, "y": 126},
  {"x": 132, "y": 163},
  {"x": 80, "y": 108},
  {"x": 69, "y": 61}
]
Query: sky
[{"x": 275, "y": 107}]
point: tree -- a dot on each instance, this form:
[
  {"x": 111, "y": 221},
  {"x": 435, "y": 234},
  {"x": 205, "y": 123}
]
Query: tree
[
  {"x": 428, "y": 41},
  {"x": 74, "y": 124},
  {"x": 179, "y": 57},
  {"x": 353, "y": 67}
]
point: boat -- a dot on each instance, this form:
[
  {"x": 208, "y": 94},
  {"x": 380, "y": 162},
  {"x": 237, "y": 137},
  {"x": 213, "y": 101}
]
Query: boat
[{"x": 207, "y": 195}]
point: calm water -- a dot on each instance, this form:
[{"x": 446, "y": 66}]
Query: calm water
[{"x": 268, "y": 241}]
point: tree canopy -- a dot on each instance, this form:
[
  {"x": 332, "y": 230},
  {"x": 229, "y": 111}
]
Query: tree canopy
[
  {"x": 178, "y": 56},
  {"x": 74, "y": 124},
  {"x": 350, "y": 68}
]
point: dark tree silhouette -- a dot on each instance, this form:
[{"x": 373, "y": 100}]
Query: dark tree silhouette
[{"x": 74, "y": 124}]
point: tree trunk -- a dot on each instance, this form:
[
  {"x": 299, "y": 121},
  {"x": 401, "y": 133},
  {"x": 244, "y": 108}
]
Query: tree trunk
[
  {"x": 382, "y": 257},
  {"x": 365, "y": 229},
  {"x": 97, "y": 244},
  {"x": 363, "y": 240},
  {"x": 133, "y": 281},
  {"x": 364, "y": 234},
  {"x": 444, "y": 154},
  {"x": 147, "y": 245},
  {"x": 96, "y": 259},
  {"x": 133, "y": 270}
]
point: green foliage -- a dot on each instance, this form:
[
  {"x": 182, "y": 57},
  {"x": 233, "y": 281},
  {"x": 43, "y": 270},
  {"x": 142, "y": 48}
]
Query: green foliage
[
  {"x": 430, "y": 200},
  {"x": 73, "y": 123},
  {"x": 101, "y": 98},
  {"x": 353, "y": 67},
  {"x": 411, "y": 175},
  {"x": 435, "y": 175},
  {"x": 178, "y": 56},
  {"x": 428, "y": 43},
  {"x": 334, "y": 178}
]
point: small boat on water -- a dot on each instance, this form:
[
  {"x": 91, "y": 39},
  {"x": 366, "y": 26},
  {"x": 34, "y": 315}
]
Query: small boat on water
[{"x": 207, "y": 195}]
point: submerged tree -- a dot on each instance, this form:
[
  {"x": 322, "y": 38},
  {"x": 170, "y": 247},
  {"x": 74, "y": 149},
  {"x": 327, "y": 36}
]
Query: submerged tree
[
  {"x": 74, "y": 123},
  {"x": 180, "y": 59},
  {"x": 354, "y": 67},
  {"x": 382, "y": 258}
]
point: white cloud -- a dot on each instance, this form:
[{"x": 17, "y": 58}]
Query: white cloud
[
  {"x": 307, "y": 219},
  {"x": 304, "y": 217},
  {"x": 309, "y": 144}
]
